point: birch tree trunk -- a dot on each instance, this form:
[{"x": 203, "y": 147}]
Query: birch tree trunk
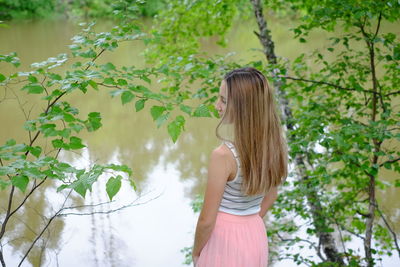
[{"x": 325, "y": 238}]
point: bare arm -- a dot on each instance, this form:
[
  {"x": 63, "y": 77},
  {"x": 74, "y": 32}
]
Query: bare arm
[
  {"x": 268, "y": 200},
  {"x": 218, "y": 173}
]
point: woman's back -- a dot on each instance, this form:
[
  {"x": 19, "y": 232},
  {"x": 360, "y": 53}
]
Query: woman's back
[
  {"x": 234, "y": 201},
  {"x": 230, "y": 230}
]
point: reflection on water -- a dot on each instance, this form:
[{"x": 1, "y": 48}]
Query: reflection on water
[{"x": 149, "y": 227}]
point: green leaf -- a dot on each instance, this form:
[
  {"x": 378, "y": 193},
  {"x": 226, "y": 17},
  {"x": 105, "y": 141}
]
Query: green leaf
[
  {"x": 127, "y": 97},
  {"x": 33, "y": 88},
  {"x": 11, "y": 142},
  {"x": 2, "y": 77},
  {"x": 109, "y": 80},
  {"x": 76, "y": 143},
  {"x": 20, "y": 148},
  {"x": 62, "y": 187},
  {"x": 20, "y": 181},
  {"x": 48, "y": 129},
  {"x": 396, "y": 52},
  {"x": 116, "y": 92},
  {"x": 65, "y": 132},
  {"x": 4, "y": 170},
  {"x": 32, "y": 79},
  {"x": 145, "y": 78},
  {"x": 108, "y": 66},
  {"x": 156, "y": 111},
  {"x": 387, "y": 165},
  {"x": 59, "y": 143},
  {"x": 186, "y": 109},
  {"x": 175, "y": 128},
  {"x": 139, "y": 105},
  {"x": 35, "y": 151},
  {"x": 4, "y": 184},
  {"x": 132, "y": 183},
  {"x": 88, "y": 54},
  {"x": 33, "y": 173},
  {"x": 93, "y": 122},
  {"x": 30, "y": 125},
  {"x": 202, "y": 111},
  {"x": 163, "y": 118},
  {"x": 122, "y": 168},
  {"x": 68, "y": 117},
  {"x": 113, "y": 186},
  {"x": 55, "y": 76},
  {"x": 93, "y": 84},
  {"x": 139, "y": 89},
  {"x": 76, "y": 127},
  {"x": 122, "y": 82},
  {"x": 85, "y": 181}
]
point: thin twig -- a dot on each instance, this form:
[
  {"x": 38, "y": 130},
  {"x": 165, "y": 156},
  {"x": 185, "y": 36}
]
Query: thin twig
[
  {"x": 44, "y": 229},
  {"x": 21, "y": 106},
  {"x": 132, "y": 204},
  {"x": 341, "y": 239},
  {"x": 350, "y": 231}
]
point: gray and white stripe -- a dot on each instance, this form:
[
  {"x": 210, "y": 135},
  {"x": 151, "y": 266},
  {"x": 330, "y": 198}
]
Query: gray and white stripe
[{"x": 233, "y": 200}]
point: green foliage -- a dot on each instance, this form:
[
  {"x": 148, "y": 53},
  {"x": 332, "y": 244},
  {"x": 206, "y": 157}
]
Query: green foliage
[
  {"x": 179, "y": 34},
  {"x": 342, "y": 117},
  {"x": 332, "y": 106},
  {"x": 10, "y": 9},
  {"x": 23, "y": 9},
  {"x": 197, "y": 203}
]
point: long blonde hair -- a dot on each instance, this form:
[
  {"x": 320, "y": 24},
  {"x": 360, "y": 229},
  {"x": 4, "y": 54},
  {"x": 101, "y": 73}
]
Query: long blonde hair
[{"x": 258, "y": 134}]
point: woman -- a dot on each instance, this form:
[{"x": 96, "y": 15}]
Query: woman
[{"x": 243, "y": 175}]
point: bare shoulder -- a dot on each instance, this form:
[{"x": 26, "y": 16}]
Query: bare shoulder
[
  {"x": 222, "y": 152},
  {"x": 223, "y": 157}
]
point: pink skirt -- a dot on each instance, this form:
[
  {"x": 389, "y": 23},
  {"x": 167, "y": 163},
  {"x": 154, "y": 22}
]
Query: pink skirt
[{"x": 236, "y": 241}]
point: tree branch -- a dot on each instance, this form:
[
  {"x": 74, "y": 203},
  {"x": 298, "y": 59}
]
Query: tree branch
[
  {"x": 3, "y": 225},
  {"x": 317, "y": 248},
  {"x": 389, "y": 228},
  {"x": 389, "y": 161},
  {"x": 379, "y": 25},
  {"x": 392, "y": 93},
  {"x": 329, "y": 84}
]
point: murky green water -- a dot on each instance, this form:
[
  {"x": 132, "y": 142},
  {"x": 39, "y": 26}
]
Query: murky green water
[{"x": 152, "y": 225}]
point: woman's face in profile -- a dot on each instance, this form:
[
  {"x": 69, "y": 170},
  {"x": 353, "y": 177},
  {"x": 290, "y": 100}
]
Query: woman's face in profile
[{"x": 222, "y": 99}]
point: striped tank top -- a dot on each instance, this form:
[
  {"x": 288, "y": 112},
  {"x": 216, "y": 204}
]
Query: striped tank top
[{"x": 233, "y": 200}]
